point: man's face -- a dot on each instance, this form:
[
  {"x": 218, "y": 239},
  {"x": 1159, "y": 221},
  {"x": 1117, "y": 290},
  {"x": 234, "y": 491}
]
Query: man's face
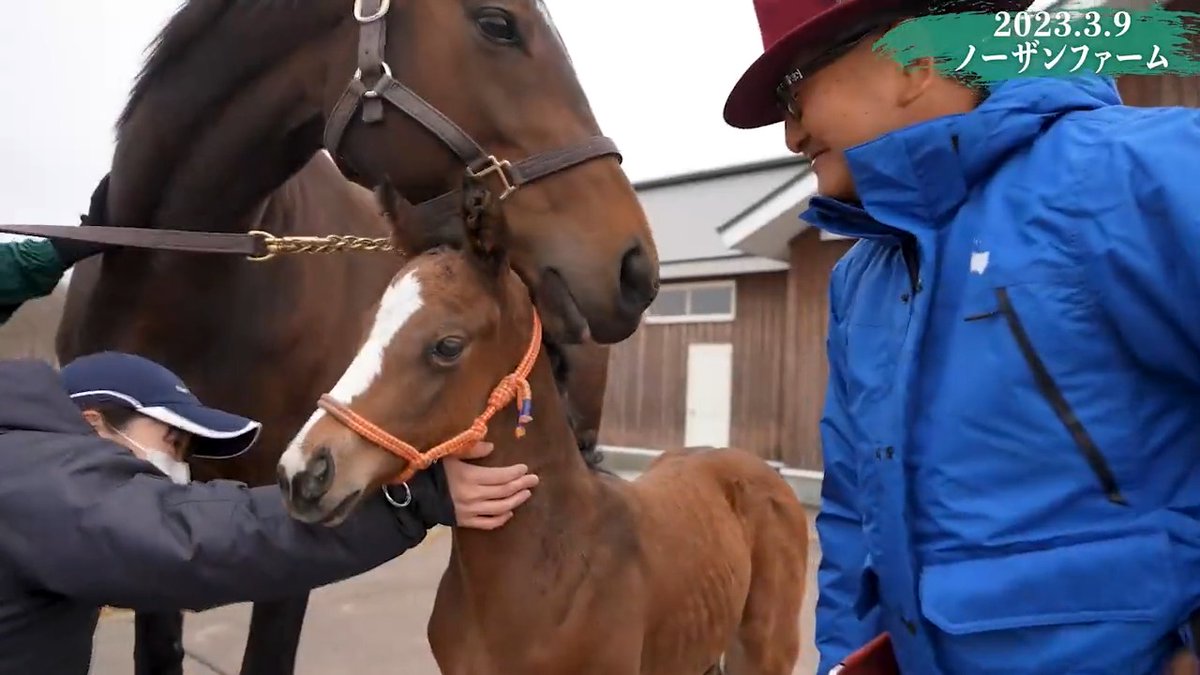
[
  {"x": 847, "y": 98},
  {"x": 848, "y": 101}
]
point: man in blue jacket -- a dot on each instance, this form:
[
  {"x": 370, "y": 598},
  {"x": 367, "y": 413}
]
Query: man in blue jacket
[{"x": 1012, "y": 427}]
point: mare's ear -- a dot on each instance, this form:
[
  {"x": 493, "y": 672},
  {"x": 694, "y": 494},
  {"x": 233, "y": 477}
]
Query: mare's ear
[
  {"x": 485, "y": 229},
  {"x": 98, "y": 208},
  {"x": 411, "y": 233}
]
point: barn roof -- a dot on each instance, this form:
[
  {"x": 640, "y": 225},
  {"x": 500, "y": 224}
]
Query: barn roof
[{"x": 689, "y": 213}]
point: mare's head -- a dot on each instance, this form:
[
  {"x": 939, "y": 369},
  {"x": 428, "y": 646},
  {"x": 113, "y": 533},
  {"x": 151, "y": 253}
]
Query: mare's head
[
  {"x": 451, "y": 326},
  {"x": 239, "y": 94},
  {"x": 499, "y": 71}
]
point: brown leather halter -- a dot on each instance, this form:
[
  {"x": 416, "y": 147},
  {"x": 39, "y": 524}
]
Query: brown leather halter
[
  {"x": 504, "y": 393},
  {"x": 441, "y": 210},
  {"x": 372, "y": 16}
]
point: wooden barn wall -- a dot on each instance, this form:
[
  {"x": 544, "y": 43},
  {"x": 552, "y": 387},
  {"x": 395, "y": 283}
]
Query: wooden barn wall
[
  {"x": 645, "y": 398},
  {"x": 1169, "y": 90},
  {"x": 1156, "y": 90},
  {"x": 804, "y": 361},
  {"x": 779, "y": 365}
]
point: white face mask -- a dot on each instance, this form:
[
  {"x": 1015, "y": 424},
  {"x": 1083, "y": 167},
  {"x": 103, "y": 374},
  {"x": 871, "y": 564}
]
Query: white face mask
[{"x": 179, "y": 472}]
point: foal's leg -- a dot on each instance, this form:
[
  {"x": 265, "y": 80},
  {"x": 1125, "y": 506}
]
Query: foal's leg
[
  {"x": 158, "y": 643},
  {"x": 768, "y": 638},
  {"x": 274, "y": 637}
]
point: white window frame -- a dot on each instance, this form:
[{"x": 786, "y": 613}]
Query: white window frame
[{"x": 689, "y": 286}]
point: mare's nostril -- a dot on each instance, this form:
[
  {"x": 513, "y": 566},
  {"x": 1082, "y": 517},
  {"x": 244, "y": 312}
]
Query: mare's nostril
[
  {"x": 313, "y": 482},
  {"x": 639, "y": 280}
]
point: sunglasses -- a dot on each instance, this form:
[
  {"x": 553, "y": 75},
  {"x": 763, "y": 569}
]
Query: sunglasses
[{"x": 784, "y": 91}]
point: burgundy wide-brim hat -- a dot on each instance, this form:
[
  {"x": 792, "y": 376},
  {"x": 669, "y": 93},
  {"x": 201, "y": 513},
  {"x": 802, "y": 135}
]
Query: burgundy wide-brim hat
[{"x": 787, "y": 26}]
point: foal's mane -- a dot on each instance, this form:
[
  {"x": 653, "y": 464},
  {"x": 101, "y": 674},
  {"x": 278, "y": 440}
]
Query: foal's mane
[
  {"x": 559, "y": 366},
  {"x": 222, "y": 44},
  {"x": 484, "y": 241},
  {"x": 592, "y": 456}
]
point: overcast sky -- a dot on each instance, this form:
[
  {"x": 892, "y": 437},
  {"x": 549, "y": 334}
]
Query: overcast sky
[{"x": 657, "y": 73}]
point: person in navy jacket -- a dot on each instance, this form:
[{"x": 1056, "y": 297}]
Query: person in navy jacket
[{"x": 97, "y": 508}]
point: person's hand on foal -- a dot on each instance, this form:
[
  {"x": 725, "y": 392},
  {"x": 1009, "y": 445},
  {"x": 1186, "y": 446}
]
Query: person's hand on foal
[{"x": 485, "y": 496}]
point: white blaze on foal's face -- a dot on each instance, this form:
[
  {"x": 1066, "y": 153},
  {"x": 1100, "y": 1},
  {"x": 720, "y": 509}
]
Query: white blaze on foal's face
[{"x": 400, "y": 302}]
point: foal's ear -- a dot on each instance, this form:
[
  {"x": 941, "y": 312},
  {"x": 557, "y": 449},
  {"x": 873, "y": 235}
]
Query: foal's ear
[
  {"x": 485, "y": 229},
  {"x": 401, "y": 215},
  {"x": 412, "y": 233}
]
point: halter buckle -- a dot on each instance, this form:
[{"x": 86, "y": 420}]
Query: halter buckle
[
  {"x": 497, "y": 166},
  {"x": 383, "y": 10},
  {"x": 374, "y": 92}
]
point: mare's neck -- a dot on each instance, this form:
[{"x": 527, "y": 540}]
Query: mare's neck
[{"x": 202, "y": 147}]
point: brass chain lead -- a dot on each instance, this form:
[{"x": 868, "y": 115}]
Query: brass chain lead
[{"x": 333, "y": 243}]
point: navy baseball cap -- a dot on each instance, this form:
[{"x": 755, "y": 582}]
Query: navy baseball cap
[{"x": 151, "y": 389}]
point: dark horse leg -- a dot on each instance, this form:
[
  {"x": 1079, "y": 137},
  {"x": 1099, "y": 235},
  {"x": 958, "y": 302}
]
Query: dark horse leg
[
  {"x": 158, "y": 643},
  {"x": 274, "y": 637}
]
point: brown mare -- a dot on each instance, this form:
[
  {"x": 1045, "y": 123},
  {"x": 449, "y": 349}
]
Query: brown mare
[
  {"x": 702, "y": 556},
  {"x": 223, "y": 131}
]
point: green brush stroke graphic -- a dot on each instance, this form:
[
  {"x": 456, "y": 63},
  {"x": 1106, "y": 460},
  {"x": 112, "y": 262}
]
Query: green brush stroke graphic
[{"x": 1057, "y": 43}]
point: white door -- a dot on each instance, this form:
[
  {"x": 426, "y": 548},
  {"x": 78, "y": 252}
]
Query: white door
[{"x": 709, "y": 394}]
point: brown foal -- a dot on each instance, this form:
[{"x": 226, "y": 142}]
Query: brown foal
[{"x": 699, "y": 561}]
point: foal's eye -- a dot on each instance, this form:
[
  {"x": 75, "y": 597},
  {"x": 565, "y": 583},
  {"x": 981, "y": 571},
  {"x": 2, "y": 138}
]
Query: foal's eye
[
  {"x": 448, "y": 349},
  {"x": 497, "y": 25}
]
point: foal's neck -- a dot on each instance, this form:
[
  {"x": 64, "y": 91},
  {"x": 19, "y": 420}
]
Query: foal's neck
[{"x": 566, "y": 485}]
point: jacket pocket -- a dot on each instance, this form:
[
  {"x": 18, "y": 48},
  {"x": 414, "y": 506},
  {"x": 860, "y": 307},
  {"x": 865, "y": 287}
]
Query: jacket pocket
[
  {"x": 1050, "y": 390},
  {"x": 1127, "y": 579},
  {"x": 1103, "y": 607}
]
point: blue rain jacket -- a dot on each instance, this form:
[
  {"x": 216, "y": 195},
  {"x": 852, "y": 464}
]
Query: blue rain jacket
[{"x": 1012, "y": 425}]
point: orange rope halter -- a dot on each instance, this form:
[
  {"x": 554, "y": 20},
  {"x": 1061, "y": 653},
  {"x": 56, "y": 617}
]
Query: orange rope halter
[{"x": 502, "y": 395}]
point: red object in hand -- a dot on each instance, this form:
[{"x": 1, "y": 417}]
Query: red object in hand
[{"x": 874, "y": 658}]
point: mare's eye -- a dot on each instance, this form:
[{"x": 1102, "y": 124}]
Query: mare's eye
[
  {"x": 447, "y": 349},
  {"x": 497, "y": 25}
]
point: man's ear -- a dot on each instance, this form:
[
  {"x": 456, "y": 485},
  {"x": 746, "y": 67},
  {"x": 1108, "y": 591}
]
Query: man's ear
[
  {"x": 914, "y": 76},
  {"x": 918, "y": 76},
  {"x": 96, "y": 420}
]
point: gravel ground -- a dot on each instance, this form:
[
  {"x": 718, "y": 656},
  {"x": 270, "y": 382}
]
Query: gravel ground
[{"x": 373, "y": 623}]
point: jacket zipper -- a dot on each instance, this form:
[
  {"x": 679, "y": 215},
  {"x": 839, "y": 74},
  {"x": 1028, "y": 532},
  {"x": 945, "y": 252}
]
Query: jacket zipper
[
  {"x": 1045, "y": 383},
  {"x": 908, "y": 251}
]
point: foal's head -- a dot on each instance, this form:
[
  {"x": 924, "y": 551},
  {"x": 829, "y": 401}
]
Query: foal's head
[{"x": 451, "y": 326}]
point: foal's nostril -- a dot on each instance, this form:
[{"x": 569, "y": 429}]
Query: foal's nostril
[
  {"x": 639, "y": 280},
  {"x": 284, "y": 484},
  {"x": 313, "y": 482}
]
